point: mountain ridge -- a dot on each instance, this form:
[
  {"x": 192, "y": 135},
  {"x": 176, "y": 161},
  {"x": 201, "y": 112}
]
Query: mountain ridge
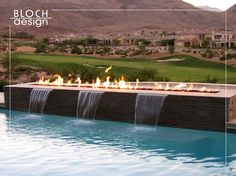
[{"x": 104, "y": 22}]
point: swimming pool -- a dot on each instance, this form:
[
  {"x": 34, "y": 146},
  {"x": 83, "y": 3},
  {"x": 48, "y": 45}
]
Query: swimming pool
[{"x": 53, "y": 145}]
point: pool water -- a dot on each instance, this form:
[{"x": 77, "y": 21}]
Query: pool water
[{"x": 48, "y": 145}]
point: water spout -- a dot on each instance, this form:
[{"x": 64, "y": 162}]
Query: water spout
[
  {"x": 148, "y": 107},
  {"x": 88, "y": 103},
  {"x": 38, "y": 100}
]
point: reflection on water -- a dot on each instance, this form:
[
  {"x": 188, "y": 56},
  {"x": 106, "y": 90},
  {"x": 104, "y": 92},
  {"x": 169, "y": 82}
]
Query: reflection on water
[{"x": 53, "y": 145}]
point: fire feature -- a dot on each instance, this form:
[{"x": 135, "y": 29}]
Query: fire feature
[{"x": 122, "y": 84}]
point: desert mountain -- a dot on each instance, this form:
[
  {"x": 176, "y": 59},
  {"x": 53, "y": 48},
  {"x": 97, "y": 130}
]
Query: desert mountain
[
  {"x": 231, "y": 13},
  {"x": 210, "y": 8},
  {"x": 103, "y": 22}
]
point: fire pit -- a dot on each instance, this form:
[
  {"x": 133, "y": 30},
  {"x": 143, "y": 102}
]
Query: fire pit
[
  {"x": 122, "y": 84},
  {"x": 185, "y": 105}
]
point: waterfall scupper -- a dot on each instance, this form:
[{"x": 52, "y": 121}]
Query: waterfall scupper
[
  {"x": 88, "y": 103},
  {"x": 148, "y": 107},
  {"x": 38, "y": 99}
]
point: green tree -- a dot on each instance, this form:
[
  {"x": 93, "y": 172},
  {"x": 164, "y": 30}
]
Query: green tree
[
  {"x": 171, "y": 49},
  {"x": 40, "y": 47},
  {"x": 116, "y": 42},
  {"x": 205, "y": 43},
  {"x": 76, "y": 50},
  {"x": 142, "y": 48},
  {"x": 166, "y": 42},
  {"x": 14, "y": 61},
  {"x": 143, "y": 42},
  {"x": 45, "y": 40}
]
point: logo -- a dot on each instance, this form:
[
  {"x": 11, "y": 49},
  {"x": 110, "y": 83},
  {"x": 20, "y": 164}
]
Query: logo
[{"x": 37, "y": 18}]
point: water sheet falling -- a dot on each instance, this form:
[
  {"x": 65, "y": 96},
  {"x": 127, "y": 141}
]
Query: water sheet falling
[
  {"x": 148, "y": 107},
  {"x": 88, "y": 103},
  {"x": 38, "y": 99}
]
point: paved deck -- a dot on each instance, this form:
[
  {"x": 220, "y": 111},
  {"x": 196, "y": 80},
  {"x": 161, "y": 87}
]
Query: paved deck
[
  {"x": 232, "y": 124},
  {"x": 2, "y": 101}
]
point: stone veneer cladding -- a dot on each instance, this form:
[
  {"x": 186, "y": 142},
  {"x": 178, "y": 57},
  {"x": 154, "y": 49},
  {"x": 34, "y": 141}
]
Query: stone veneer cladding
[{"x": 195, "y": 112}]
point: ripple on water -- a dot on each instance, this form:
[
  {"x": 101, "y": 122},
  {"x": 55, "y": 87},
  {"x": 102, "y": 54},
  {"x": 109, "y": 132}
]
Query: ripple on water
[
  {"x": 81, "y": 122},
  {"x": 29, "y": 117},
  {"x": 143, "y": 129}
]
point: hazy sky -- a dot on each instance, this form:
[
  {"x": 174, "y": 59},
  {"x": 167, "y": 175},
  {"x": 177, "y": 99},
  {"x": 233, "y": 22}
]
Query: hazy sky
[{"x": 220, "y": 4}]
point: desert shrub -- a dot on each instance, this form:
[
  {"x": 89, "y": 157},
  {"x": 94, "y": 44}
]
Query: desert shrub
[
  {"x": 14, "y": 61},
  {"x": 203, "y": 54},
  {"x": 103, "y": 50},
  {"x": 142, "y": 48},
  {"x": 208, "y": 53},
  {"x": 146, "y": 74},
  {"x": 41, "y": 47},
  {"x": 211, "y": 79},
  {"x": 228, "y": 57},
  {"x": 121, "y": 52},
  {"x": 62, "y": 49},
  {"x": 76, "y": 50},
  {"x": 23, "y": 69},
  {"x": 2, "y": 84},
  {"x": 143, "y": 41},
  {"x": 87, "y": 73},
  {"x": 163, "y": 78}
]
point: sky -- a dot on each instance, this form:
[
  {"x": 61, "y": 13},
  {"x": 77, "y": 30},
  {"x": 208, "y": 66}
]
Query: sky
[{"x": 220, "y": 4}]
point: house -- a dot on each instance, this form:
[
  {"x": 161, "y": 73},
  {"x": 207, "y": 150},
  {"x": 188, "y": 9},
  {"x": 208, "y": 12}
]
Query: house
[
  {"x": 222, "y": 39},
  {"x": 191, "y": 39}
]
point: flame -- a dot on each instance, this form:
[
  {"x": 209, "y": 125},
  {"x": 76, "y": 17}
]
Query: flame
[
  {"x": 203, "y": 89},
  {"x": 190, "y": 88},
  {"x": 115, "y": 84},
  {"x": 107, "y": 83},
  {"x": 59, "y": 80},
  {"x": 122, "y": 83},
  {"x": 69, "y": 82},
  {"x": 98, "y": 83},
  {"x": 167, "y": 87},
  {"x": 137, "y": 83},
  {"x": 180, "y": 86},
  {"x": 78, "y": 80},
  {"x": 159, "y": 86},
  {"x": 43, "y": 81},
  {"x": 108, "y": 69}
]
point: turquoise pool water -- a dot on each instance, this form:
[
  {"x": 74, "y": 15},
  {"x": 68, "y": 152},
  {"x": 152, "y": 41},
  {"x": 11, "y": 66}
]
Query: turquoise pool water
[{"x": 63, "y": 146}]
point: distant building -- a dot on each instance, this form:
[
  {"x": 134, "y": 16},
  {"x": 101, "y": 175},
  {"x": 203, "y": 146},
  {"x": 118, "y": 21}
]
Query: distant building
[
  {"x": 222, "y": 39},
  {"x": 191, "y": 39},
  {"x": 187, "y": 39},
  {"x": 61, "y": 38}
]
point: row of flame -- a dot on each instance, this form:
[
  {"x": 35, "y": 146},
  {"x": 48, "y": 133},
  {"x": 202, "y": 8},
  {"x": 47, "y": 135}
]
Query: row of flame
[{"x": 121, "y": 84}]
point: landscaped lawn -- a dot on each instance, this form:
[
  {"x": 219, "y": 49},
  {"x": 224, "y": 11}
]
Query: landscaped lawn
[{"x": 189, "y": 69}]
